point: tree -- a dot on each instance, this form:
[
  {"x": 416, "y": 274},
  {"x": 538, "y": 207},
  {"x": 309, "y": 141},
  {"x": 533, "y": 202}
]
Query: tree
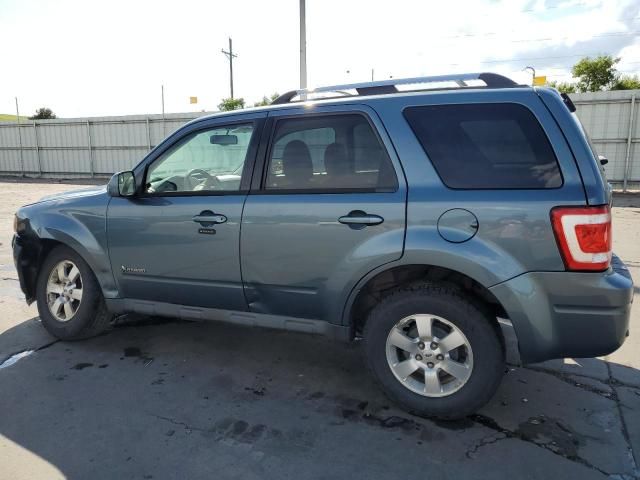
[
  {"x": 266, "y": 100},
  {"x": 43, "y": 114},
  {"x": 626, "y": 82},
  {"x": 595, "y": 74},
  {"x": 229, "y": 104},
  {"x": 563, "y": 87}
]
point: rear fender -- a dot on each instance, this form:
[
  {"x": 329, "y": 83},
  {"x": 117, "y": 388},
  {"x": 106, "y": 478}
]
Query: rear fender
[{"x": 482, "y": 261}]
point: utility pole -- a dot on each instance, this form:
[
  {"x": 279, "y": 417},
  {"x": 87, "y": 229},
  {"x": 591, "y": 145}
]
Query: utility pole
[
  {"x": 303, "y": 45},
  {"x": 230, "y": 55}
]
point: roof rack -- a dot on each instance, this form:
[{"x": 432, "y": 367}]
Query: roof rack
[{"x": 491, "y": 80}]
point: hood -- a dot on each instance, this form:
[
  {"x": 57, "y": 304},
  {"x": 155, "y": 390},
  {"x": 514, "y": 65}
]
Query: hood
[{"x": 83, "y": 192}]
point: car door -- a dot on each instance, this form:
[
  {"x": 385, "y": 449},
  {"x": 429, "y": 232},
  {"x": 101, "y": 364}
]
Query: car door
[
  {"x": 177, "y": 240},
  {"x": 328, "y": 208}
]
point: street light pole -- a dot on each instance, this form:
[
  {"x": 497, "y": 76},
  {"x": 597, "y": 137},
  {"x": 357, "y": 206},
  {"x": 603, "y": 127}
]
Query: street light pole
[
  {"x": 533, "y": 74},
  {"x": 164, "y": 122},
  {"x": 19, "y": 139},
  {"x": 162, "y": 99},
  {"x": 230, "y": 55},
  {"x": 303, "y": 45}
]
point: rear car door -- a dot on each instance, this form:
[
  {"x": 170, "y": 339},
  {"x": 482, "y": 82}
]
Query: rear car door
[
  {"x": 177, "y": 240},
  {"x": 328, "y": 208}
]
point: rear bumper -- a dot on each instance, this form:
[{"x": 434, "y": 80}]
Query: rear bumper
[{"x": 568, "y": 314}]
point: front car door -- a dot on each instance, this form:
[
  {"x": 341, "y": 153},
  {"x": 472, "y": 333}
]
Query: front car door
[
  {"x": 328, "y": 208},
  {"x": 177, "y": 240}
]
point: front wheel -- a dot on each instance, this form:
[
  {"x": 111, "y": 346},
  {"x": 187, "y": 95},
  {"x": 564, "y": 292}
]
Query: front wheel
[
  {"x": 70, "y": 301},
  {"x": 433, "y": 351}
]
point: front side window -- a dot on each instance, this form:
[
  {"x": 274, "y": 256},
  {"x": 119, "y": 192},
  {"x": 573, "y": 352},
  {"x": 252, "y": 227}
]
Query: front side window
[
  {"x": 480, "y": 146},
  {"x": 328, "y": 153},
  {"x": 210, "y": 160}
]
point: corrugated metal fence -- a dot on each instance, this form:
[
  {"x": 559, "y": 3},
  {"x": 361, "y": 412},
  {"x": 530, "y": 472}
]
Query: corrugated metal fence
[
  {"x": 82, "y": 147},
  {"x": 613, "y": 123},
  {"x": 99, "y": 146}
]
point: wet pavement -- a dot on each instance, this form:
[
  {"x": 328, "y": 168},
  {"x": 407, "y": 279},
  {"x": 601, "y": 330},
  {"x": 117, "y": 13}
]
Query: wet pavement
[{"x": 170, "y": 399}]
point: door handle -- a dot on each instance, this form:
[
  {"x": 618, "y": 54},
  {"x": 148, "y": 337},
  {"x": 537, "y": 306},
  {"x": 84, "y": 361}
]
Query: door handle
[
  {"x": 209, "y": 218},
  {"x": 358, "y": 218}
]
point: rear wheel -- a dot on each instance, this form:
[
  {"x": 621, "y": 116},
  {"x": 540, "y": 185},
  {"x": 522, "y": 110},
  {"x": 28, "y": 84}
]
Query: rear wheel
[
  {"x": 70, "y": 301},
  {"x": 433, "y": 351}
]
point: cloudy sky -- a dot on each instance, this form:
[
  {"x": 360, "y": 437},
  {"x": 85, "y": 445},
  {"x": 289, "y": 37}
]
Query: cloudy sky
[{"x": 84, "y": 57}]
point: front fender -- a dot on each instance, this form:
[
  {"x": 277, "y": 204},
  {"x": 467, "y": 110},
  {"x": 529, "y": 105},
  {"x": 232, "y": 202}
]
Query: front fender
[{"x": 79, "y": 224}]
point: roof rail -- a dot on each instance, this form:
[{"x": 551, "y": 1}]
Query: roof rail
[{"x": 491, "y": 80}]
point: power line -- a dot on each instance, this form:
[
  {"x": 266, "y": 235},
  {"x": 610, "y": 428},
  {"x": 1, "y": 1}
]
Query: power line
[
  {"x": 526, "y": 59},
  {"x": 487, "y": 34},
  {"x": 553, "y": 7},
  {"x": 544, "y": 9},
  {"x": 513, "y": 60},
  {"x": 579, "y": 4},
  {"x": 523, "y": 60},
  {"x": 610, "y": 34},
  {"x": 568, "y": 74}
]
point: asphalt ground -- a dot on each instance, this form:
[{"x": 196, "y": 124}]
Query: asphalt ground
[{"x": 167, "y": 399}]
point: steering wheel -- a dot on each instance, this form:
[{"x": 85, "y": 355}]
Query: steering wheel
[{"x": 199, "y": 177}]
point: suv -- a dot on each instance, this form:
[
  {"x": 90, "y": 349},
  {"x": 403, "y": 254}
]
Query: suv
[{"x": 411, "y": 219}]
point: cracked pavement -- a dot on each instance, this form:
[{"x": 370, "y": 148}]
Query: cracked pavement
[{"x": 168, "y": 399}]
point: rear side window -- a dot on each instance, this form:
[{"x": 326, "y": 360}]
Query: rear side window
[
  {"x": 498, "y": 146},
  {"x": 328, "y": 153}
]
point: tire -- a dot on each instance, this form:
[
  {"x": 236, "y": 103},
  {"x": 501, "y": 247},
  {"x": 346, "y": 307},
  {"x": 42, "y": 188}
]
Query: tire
[
  {"x": 85, "y": 316},
  {"x": 430, "y": 391}
]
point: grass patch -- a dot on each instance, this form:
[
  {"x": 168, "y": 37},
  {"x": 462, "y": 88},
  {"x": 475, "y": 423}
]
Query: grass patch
[{"x": 5, "y": 117}]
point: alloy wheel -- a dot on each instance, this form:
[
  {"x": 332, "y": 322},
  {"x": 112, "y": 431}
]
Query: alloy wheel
[
  {"x": 64, "y": 290},
  {"x": 429, "y": 355}
]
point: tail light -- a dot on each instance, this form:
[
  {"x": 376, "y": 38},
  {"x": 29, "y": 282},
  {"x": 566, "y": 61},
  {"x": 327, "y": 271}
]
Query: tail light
[{"x": 584, "y": 236}]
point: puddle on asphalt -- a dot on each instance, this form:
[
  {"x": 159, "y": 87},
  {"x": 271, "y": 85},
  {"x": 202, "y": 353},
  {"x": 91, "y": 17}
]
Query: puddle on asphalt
[
  {"x": 81, "y": 366},
  {"x": 15, "y": 358},
  {"x": 132, "y": 352},
  {"x": 135, "y": 352}
]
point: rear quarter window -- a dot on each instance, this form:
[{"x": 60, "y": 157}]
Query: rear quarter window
[{"x": 486, "y": 146}]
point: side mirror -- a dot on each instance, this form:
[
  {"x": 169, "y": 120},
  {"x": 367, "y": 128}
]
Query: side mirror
[
  {"x": 603, "y": 160},
  {"x": 122, "y": 184}
]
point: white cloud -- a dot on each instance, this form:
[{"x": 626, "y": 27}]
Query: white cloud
[{"x": 88, "y": 58}]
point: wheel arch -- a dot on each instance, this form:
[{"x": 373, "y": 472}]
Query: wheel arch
[
  {"x": 39, "y": 245},
  {"x": 372, "y": 288}
]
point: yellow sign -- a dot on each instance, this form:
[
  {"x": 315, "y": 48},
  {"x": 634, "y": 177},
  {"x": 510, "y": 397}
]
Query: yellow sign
[
  {"x": 540, "y": 81},
  {"x": 193, "y": 99}
]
